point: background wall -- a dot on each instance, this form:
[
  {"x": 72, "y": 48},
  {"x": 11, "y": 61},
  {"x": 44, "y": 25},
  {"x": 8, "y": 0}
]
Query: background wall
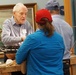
[
  {"x": 40, "y": 3},
  {"x": 6, "y": 2}
]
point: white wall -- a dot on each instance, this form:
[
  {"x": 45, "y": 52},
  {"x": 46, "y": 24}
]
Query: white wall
[
  {"x": 7, "y": 2},
  {"x": 40, "y": 3}
]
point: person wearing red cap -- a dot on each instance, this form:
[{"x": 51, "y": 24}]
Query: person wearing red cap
[{"x": 44, "y": 49}]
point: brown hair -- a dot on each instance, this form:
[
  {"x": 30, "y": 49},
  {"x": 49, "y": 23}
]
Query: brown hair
[{"x": 47, "y": 27}]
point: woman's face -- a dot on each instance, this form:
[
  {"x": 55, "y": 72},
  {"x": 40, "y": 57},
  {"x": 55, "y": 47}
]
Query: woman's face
[{"x": 20, "y": 16}]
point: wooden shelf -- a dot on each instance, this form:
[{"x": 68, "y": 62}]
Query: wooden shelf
[
  {"x": 1, "y": 55},
  {"x": 6, "y": 70}
]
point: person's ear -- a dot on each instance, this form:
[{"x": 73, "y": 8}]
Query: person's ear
[{"x": 14, "y": 13}]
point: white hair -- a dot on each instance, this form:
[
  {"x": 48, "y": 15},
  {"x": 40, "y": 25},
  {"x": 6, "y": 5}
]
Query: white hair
[{"x": 18, "y": 6}]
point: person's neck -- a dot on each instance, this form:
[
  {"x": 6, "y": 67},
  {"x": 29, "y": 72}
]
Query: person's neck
[{"x": 55, "y": 13}]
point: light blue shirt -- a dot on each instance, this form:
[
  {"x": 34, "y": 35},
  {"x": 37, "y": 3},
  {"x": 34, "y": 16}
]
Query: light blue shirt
[
  {"x": 12, "y": 33},
  {"x": 66, "y": 31}
]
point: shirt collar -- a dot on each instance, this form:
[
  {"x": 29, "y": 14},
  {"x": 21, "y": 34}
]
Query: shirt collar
[{"x": 13, "y": 21}]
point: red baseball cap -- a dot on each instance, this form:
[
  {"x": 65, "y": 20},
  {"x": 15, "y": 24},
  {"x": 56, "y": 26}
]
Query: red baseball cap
[{"x": 43, "y": 13}]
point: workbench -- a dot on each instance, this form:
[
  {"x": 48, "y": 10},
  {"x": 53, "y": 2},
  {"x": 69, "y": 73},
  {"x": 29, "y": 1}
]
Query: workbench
[{"x": 8, "y": 69}]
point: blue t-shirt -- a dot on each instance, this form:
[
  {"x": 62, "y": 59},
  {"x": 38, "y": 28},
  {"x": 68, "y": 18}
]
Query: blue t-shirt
[{"x": 43, "y": 54}]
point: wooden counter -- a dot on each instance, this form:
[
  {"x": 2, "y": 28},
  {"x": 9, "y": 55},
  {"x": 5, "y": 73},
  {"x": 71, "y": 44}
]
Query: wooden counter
[
  {"x": 8, "y": 69},
  {"x": 1, "y": 55}
]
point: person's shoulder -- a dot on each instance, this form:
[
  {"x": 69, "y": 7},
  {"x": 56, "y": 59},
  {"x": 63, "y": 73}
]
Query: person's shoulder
[
  {"x": 32, "y": 35},
  {"x": 35, "y": 35},
  {"x": 66, "y": 24},
  {"x": 57, "y": 35},
  {"x": 7, "y": 20}
]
